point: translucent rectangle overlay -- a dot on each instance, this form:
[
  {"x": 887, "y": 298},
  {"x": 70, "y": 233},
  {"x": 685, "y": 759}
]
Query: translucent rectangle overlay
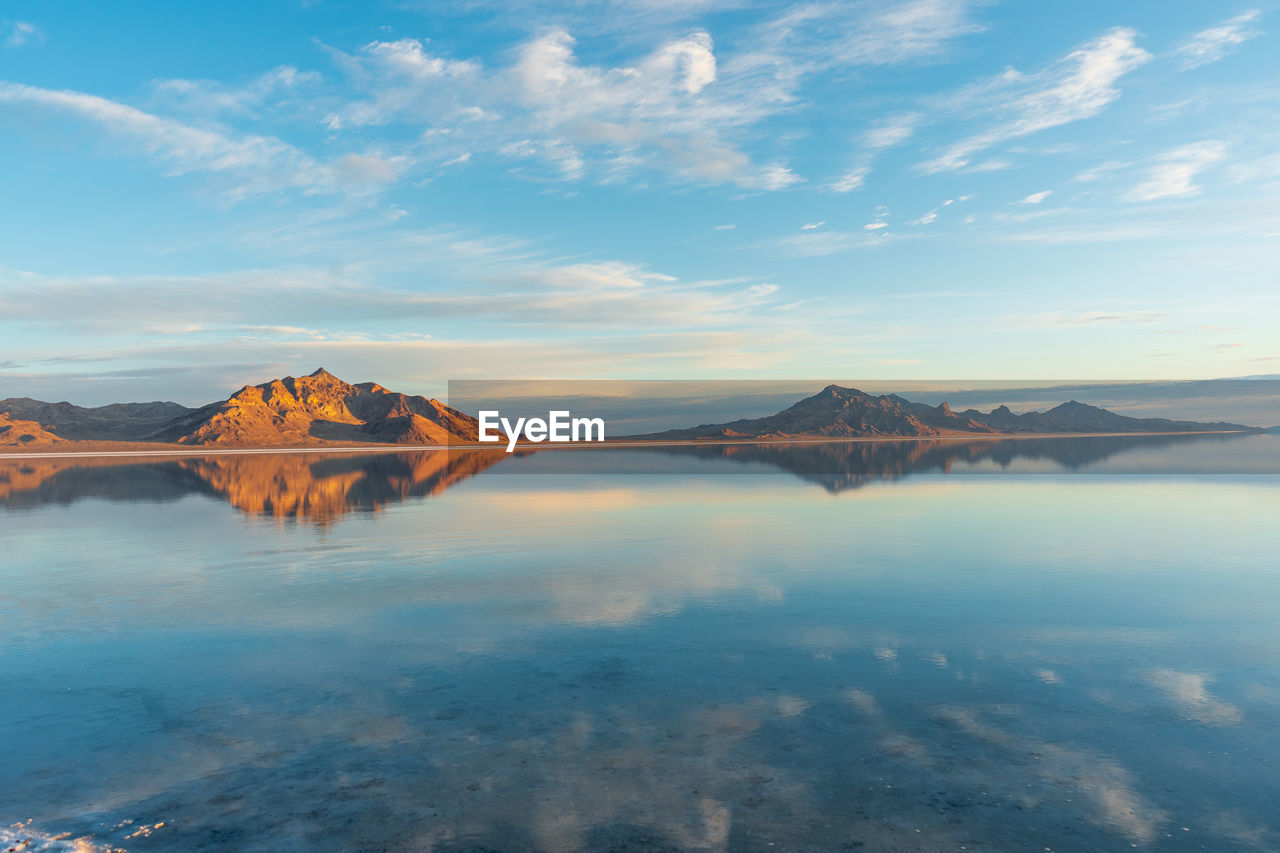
[{"x": 853, "y": 431}]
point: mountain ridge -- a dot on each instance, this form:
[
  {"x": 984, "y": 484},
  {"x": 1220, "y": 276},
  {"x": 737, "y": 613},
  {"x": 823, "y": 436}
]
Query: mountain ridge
[
  {"x": 840, "y": 412},
  {"x": 319, "y": 406},
  {"x": 311, "y": 410},
  {"x": 320, "y": 409}
]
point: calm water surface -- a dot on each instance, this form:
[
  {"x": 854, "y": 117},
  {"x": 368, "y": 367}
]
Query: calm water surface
[{"x": 986, "y": 646}]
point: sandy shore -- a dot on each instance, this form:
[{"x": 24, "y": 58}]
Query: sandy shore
[{"x": 75, "y": 449}]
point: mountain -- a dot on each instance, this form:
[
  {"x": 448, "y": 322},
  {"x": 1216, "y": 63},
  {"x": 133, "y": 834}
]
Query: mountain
[
  {"x": 117, "y": 422},
  {"x": 318, "y": 407},
  {"x": 1074, "y": 416},
  {"x": 20, "y": 433},
  {"x": 310, "y": 410},
  {"x": 838, "y": 412}
]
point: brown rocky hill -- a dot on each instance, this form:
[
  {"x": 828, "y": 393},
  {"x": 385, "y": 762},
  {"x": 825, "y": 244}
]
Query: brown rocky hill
[
  {"x": 318, "y": 408},
  {"x": 19, "y": 433}
]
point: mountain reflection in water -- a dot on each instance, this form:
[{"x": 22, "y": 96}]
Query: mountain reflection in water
[
  {"x": 842, "y": 466},
  {"x": 322, "y": 488},
  {"x": 318, "y": 488}
]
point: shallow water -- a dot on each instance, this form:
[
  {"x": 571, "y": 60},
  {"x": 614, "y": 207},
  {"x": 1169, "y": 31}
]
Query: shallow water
[{"x": 1065, "y": 644}]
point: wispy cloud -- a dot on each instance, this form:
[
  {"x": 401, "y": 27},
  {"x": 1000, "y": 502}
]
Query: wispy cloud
[
  {"x": 1174, "y": 172},
  {"x": 1036, "y": 198},
  {"x": 1098, "y": 172},
  {"x": 253, "y": 163},
  {"x": 1217, "y": 42},
  {"x": 853, "y": 179},
  {"x": 884, "y": 134},
  {"x": 1078, "y": 87},
  {"x": 515, "y": 290},
  {"x": 211, "y": 98},
  {"x": 878, "y": 223},
  {"x": 21, "y": 34},
  {"x": 874, "y": 32},
  {"x": 1089, "y": 318}
]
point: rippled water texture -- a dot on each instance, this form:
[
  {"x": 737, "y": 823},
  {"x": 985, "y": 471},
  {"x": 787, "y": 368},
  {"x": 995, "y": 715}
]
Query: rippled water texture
[{"x": 1017, "y": 645}]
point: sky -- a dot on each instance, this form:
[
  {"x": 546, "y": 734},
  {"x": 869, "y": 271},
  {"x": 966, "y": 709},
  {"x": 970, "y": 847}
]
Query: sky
[{"x": 198, "y": 196}]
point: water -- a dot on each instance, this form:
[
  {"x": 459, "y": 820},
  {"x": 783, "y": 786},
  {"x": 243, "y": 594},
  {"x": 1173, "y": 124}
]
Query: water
[{"x": 1063, "y": 644}]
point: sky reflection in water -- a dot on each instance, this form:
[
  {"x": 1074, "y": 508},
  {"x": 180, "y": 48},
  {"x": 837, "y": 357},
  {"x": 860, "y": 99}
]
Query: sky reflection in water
[{"x": 824, "y": 650}]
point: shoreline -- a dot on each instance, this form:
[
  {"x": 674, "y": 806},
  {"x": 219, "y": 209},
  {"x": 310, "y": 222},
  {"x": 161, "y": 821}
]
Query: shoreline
[{"x": 619, "y": 443}]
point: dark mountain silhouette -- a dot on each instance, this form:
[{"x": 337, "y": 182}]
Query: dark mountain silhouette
[
  {"x": 116, "y": 422},
  {"x": 837, "y": 412}
]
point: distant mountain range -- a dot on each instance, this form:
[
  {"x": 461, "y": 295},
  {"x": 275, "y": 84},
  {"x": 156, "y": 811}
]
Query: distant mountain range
[
  {"x": 837, "y": 412},
  {"x": 321, "y": 409}
]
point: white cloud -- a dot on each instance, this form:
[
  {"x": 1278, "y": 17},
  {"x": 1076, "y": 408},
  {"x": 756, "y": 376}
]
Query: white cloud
[
  {"x": 809, "y": 226},
  {"x": 1077, "y": 87},
  {"x": 209, "y": 97},
  {"x": 678, "y": 108},
  {"x": 1266, "y": 168},
  {"x": 667, "y": 110},
  {"x": 892, "y": 131},
  {"x": 1097, "y": 172},
  {"x": 884, "y": 134},
  {"x": 812, "y": 244},
  {"x": 725, "y": 227},
  {"x": 1174, "y": 172},
  {"x": 1216, "y": 42},
  {"x": 772, "y": 177},
  {"x": 511, "y": 287},
  {"x": 932, "y": 215},
  {"x": 879, "y": 32},
  {"x": 22, "y": 34},
  {"x": 850, "y": 180},
  {"x": 996, "y": 165},
  {"x": 878, "y": 223},
  {"x": 1036, "y": 198},
  {"x": 255, "y": 163}
]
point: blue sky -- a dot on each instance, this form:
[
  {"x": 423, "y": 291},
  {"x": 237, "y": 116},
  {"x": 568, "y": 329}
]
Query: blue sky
[{"x": 196, "y": 196}]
